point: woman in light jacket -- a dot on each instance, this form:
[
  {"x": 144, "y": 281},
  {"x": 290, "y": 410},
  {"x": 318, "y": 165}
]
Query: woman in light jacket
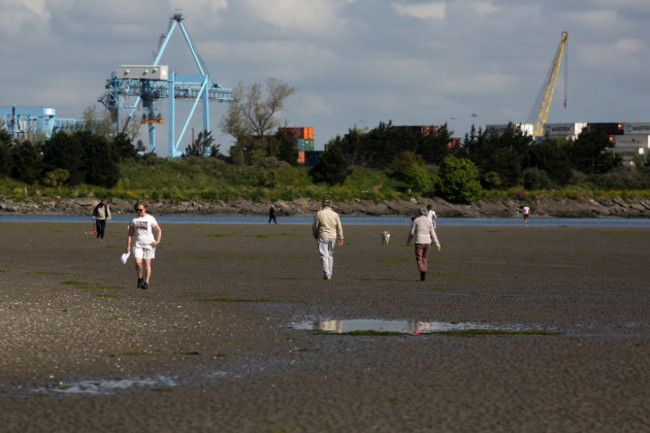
[{"x": 425, "y": 234}]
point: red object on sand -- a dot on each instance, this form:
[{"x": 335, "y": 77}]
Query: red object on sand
[{"x": 92, "y": 232}]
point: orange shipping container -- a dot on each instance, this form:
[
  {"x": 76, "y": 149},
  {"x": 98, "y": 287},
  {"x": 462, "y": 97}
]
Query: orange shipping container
[
  {"x": 301, "y": 157},
  {"x": 298, "y": 132}
]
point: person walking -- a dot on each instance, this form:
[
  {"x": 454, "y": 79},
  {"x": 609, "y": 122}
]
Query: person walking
[
  {"x": 101, "y": 214},
  {"x": 431, "y": 214},
  {"x": 525, "y": 210},
  {"x": 327, "y": 230},
  {"x": 142, "y": 242},
  {"x": 272, "y": 214},
  {"x": 424, "y": 233}
]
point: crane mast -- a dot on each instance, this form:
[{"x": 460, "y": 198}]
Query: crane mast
[
  {"x": 546, "y": 95},
  {"x": 149, "y": 83}
]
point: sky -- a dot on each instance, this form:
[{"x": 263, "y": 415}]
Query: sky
[{"x": 355, "y": 63}]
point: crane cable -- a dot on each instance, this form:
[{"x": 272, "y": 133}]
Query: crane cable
[{"x": 566, "y": 74}]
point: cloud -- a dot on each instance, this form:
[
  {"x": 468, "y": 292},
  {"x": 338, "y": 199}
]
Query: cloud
[
  {"x": 629, "y": 45},
  {"x": 316, "y": 17},
  {"x": 422, "y": 10},
  {"x": 36, "y": 6},
  {"x": 484, "y": 8},
  {"x": 479, "y": 84}
]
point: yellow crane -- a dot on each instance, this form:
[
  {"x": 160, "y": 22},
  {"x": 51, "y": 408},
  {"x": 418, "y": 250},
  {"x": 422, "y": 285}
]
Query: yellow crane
[{"x": 543, "y": 102}]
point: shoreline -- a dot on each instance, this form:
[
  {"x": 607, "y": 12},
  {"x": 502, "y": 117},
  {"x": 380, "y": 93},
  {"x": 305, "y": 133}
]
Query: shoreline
[{"x": 492, "y": 207}]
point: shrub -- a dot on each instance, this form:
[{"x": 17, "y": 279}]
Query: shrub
[
  {"x": 534, "y": 178},
  {"x": 459, "y": 180}
]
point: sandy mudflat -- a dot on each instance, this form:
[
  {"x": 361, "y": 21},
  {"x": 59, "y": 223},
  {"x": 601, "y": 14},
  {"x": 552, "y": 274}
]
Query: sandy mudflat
[{"x": 212, "y": 346}]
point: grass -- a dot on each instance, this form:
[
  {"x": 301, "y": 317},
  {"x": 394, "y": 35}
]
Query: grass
[
  {"x": 91, "y": 286},
  {"x": 209, "y": 179}
]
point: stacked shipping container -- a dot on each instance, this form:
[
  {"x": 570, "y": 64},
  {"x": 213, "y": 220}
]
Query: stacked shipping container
[
  {"x": 304, "y": 138},
  {"x": 634, "y": 141},
  {"x": 567, "y": 130}
]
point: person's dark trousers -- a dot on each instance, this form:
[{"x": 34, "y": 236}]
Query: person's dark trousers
[{"x": 101, "y": 226}]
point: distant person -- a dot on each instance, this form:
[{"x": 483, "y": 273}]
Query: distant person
[
  {"x": 431, "y": 214},
  {"x": 272, "y": 214},
  {"x": 101, "y": 214},
  {"x": 424, "y": 233},
  {"x": 525, "y": 211},
  {"x": 142, "y": 242},
  {"x": 327, "y": 229}
]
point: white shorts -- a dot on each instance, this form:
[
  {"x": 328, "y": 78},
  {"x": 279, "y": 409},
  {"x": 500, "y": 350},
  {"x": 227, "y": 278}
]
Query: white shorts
[{"x": 146, "y": 252}]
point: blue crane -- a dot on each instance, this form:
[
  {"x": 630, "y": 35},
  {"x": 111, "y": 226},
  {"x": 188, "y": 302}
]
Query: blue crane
[{"x": 148, "y": 83}]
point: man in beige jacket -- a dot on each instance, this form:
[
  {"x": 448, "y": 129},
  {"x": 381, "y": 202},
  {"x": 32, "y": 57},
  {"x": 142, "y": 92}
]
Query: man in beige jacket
[{"x": 327, "y": 229}]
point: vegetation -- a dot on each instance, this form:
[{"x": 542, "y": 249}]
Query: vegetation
[{"x": 383, "y": 163}]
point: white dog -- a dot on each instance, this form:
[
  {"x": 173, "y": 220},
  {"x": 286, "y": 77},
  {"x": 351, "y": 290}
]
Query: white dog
[{"x": 385, "y": 238}]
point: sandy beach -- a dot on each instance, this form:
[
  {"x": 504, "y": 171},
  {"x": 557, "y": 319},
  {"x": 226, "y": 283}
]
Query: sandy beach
[{"x": 216, "y": 344}]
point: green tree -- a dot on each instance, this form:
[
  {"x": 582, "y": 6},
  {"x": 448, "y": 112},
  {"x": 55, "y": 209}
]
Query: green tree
[
  {"x": 100, "y": 159},
  {"x": 409, "y": 168},
  {"x": 56, "y": 177},
  {"x": 332, "y": 167},
  {"x": 500, "y": 152},
  {"x": 550, "y": 156},
  {"x": 202, "y": 146},
  {"x": 287, "y": 150},
  {"x": 459, "y": 180},
  {"x": 65, "y": 150},
  {"x": 124, "y": 146},
  {"x": 27, "y": 163},
  {"x": 535, "y": 178},
  {"x": 434, "y": 146},
  {"x": 589, "y": 153},
  {"x": 5, "y": 153}
]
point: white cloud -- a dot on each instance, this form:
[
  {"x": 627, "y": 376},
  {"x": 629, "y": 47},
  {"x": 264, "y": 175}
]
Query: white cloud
[
  {"x": 317, "y": 17},
  {"x": 36, "y": 6},
  {"x": 484, "y": 8},
  {"x": 423, "y": 10},
  {"x": 629, "y": 45}
]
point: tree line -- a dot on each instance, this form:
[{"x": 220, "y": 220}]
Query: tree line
[
  {"x": 431, "y": 163},
  {"x": 66, "y": 158},
  {"x": 423, "y": 160}
]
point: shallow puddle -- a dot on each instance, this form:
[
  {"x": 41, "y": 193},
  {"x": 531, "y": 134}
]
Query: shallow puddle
[
  {"x": 106, "y": 386},
  {"x": 397, "y": 326}
]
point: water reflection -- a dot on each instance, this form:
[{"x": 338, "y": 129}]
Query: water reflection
[
  {"x": 105, "y": 386},
  {"x": 403, "y": 326}
]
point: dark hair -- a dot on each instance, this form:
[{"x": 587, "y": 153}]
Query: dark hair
[{"x": 140, "y": 203}]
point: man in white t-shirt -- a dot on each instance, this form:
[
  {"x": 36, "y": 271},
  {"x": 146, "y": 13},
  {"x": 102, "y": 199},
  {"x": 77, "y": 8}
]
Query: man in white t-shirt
[{"x": 142, "y": 241}]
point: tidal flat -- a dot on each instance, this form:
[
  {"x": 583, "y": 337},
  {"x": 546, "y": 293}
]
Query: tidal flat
[{"x": 213, "y": 346}]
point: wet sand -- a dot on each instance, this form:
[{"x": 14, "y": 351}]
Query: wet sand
[{"x": 213, "y": 335}]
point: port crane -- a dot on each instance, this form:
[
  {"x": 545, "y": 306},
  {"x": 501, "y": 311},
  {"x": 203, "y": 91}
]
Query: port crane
[
  {"x": 140, "y": 86},
  {"x": 543, "y": 102}
]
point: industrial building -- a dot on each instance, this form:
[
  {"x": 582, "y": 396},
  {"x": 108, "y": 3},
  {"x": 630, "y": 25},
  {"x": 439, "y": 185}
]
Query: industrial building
[{"x": 20, "y": 122}]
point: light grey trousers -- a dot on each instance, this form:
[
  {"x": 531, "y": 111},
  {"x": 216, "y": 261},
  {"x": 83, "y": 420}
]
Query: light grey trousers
[{"x": 326, "y": 250}]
